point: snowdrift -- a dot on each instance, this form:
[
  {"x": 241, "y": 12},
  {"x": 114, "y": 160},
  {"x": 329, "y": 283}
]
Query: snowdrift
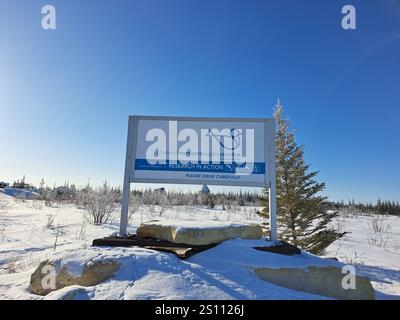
[
  {"x": 228, "y": 271},
  {"x": 20, "y": 193}
]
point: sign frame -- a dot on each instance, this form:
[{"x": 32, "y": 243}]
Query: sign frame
[{"x": 130, "y": 158}]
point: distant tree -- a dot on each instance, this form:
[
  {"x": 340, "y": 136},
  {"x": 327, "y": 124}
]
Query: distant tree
[
  {"x": 303, "y": 216},
  {"x": 42, "y": 185}
]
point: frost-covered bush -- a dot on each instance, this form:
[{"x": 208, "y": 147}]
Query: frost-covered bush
[
  {"x": 48, "y": 196},
  {"x": 157, "y": 202},
  {"x": 135, "y": 201},
  {"x": 380, "y": 231},
  {"x": 50, "y": 221},
  {"x": 97, "y": 204}
]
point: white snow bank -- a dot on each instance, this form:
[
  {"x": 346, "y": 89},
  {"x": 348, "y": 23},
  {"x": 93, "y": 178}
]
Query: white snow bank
[
  {"x": 5, "y": 197},
  {"x": 241, "y": 253},
  {"x": 195, "y": 224},
  {"x": 226, "y": 271},
  {"x": 20, "y": 193},
  {"x": 223, "y": 272}
]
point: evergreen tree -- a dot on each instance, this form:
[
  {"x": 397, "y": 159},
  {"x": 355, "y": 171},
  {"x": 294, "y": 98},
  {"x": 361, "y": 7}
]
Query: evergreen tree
[{"x": 302, "y": 214}]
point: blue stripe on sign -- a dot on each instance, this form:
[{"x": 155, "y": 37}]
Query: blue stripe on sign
[{"x": 142, "y": 164}]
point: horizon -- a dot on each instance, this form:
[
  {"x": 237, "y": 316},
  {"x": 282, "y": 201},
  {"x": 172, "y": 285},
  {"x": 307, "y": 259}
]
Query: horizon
[{"x": 67, "y": 93}]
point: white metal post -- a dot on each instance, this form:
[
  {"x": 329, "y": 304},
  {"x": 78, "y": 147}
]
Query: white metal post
[
  {"x": 272, "y": 184},
  {"x": 123, "y": 224},
  {"x": 272, "y": 213}
]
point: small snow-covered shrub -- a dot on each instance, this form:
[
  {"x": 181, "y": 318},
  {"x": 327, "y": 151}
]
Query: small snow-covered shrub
[
  {"x": 228, "y": 215},
  {"x": 135, "y": 202},
  {"x": 59, "y": 231},
  {"x": 11, "y": 265},
  {"x": 380, "y": 231},
  {"x": 50, "y": 221},
  {"x": 353, "y": 259},
  {"x": 98, "y": 204},
  {"x": 81, "y": 234},
  {"x": 36, "y": 204},
  {"x": 157, "y": 202},
  {"x": 48, "y": 196}
]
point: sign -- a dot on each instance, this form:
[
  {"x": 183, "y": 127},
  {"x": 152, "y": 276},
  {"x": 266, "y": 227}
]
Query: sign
[
  {"x": 200, "y": 151},
  {"x": 211, "y": 151}
]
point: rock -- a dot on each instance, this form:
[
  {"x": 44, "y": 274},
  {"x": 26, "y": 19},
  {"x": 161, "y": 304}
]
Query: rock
[
  {"x": 198, "y": 234},
  {"x": 325, "y": 281},
  {"x": 92, "y": 274}
]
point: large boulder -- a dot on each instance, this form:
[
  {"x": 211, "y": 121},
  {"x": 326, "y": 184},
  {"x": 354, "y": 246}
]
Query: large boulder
[
  {"x": 198, "y": 233},
  {"x": 92, "y": 274},
  {"x": 325, "y": 281}
]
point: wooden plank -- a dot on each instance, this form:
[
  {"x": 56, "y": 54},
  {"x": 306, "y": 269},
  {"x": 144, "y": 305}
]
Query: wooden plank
[
  {"x": 281, "y": 248},
  {"x": 181, "y": 250}
]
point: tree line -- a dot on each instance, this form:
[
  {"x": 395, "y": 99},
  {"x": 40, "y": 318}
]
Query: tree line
[
  {"x": 380, "y": 207},
  {"x": 224, "y": 200}
]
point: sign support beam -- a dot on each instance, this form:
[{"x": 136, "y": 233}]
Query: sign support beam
[
  {"x": 272, "y": 183},
  {"x": 127, "y": 180}
]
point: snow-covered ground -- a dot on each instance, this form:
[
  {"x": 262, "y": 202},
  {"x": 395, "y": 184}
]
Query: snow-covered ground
[
  {"x": 373, "y": 245},
  {"x": 31, "y": 233}
]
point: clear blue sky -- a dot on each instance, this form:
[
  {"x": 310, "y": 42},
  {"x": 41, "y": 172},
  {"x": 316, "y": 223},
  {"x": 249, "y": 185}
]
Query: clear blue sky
[{"x": 65, "y": 95}]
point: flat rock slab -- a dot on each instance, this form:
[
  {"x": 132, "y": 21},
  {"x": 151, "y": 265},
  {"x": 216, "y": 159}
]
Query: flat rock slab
[
  {"x": 198, "y": 233},
  {"x": 325, "y": 281},
  {"x": 182, "y": 251}
]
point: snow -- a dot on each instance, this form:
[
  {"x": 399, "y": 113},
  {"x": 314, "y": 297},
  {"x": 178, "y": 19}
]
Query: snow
[
  {"x": 5, "y": 197},
  {"x": 19, "y": 193},
  {"x": 195, "y": 224},
  {"x": 223, "y": 272},
  {"x": 380, "y": 263},
  {"x": 147, "y": 274}
]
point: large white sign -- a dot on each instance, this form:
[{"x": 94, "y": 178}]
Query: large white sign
[
  {"x": 200, "y": 151},
  {"x": 213, "y": 151}
]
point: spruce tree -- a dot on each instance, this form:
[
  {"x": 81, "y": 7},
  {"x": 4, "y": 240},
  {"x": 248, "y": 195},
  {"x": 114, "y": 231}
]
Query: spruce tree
[{"x": 302, "y": 214}]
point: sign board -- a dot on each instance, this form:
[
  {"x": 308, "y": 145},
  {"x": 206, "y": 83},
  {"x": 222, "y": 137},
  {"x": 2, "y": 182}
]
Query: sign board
[
  {"x": 211, "y": 151},
  {"x": 200, "y": 151}
]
